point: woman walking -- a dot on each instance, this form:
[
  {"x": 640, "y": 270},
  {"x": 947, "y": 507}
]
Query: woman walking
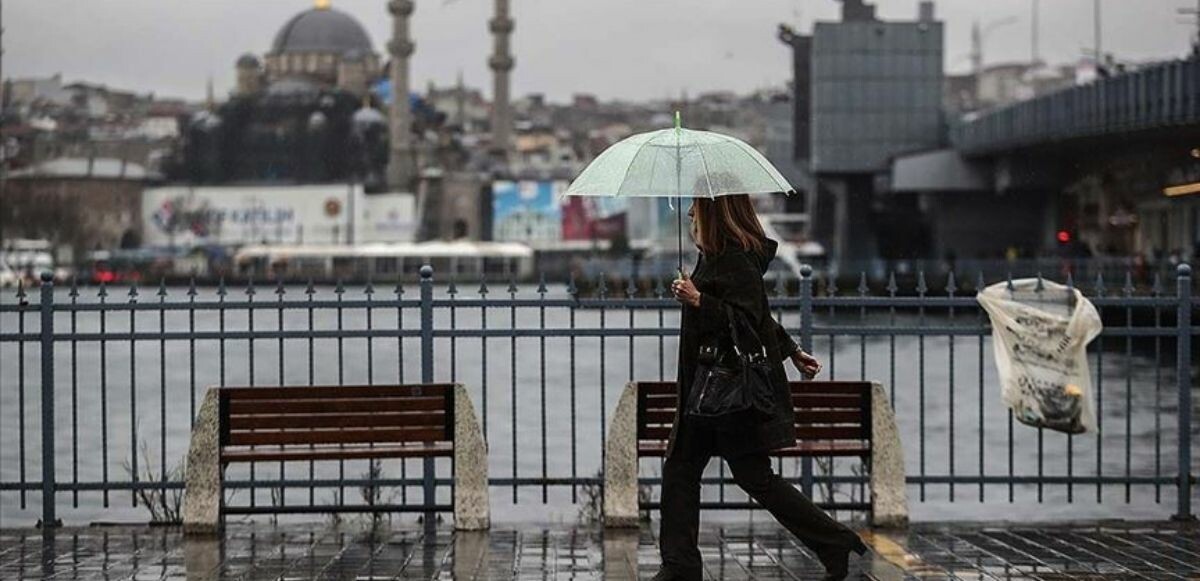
[{"x": 734, "y": 254}]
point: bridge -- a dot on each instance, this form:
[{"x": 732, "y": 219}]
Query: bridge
[
  {"x": 1152, "y": 100},
  {"x": 1108, "y": 168}
]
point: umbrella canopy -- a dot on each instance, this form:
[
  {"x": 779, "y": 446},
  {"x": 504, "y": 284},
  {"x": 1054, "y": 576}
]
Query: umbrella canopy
[{"x": 679, "y": 163}]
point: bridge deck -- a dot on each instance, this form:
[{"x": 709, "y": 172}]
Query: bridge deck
[{"x": 1111, "y": 550}]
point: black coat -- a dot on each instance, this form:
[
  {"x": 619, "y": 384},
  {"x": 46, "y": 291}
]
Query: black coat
[{"x": 735, "y": 276}]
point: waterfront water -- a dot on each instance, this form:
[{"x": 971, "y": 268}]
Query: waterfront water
[{"x": 97, "y": 427}]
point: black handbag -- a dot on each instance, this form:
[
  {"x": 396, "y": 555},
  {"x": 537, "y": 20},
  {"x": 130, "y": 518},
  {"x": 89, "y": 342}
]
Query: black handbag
[{"x": 732, "y": 385}]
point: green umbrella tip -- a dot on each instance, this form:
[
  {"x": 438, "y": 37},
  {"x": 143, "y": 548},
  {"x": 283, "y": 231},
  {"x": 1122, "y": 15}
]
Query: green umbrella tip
[{"x": 678, "y": 121}]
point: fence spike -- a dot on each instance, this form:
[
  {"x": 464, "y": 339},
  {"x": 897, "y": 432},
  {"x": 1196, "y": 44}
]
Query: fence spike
[
  {"x": 192, "y": 285},
  {"x": 1009, "y": 282},
  {"x": 452, "y": 288},
  {"x": 221, "y": 291},
  {"x": 541, "y": 289},
  {"x": 602, "y": 286},
  {"x": 162, "y": 287},
  {"x": 369, "y": 289},
  {"x": 250, "y": 290},
  {"x": 831, "y": 289},
  {"x": 309, "y": 289},
  {"x": 1156, "y": 287},
  {"x": 1070, "y": 280},
  {"x": 1099, "y": 284},
  {"x": 103, "y": 292},
  {"x": 483, "y": 287},
  {"x": 1040, "y": 285},
  {"x": 1127, "y": 290},
  {"x": 630, "y": 288},
  {"x": 512, "y": 287},
  {"x": 659, "y": 289},
  {"x": 951, "y": 286},
  {"x": 572, "y": 289},
  {"x": 133, "y": 292},
  {"x": 74, "y": 287},
  {"x": 780, "y": 286},
  {"x": 921, "y": 288},
  {"x": 339, "y": 288},
  {"x": 891, "y": 285},
  {"x": 863, "y": 287},
  {"x": 279, "y": 288},
  {"x": 21, "y": 288}
]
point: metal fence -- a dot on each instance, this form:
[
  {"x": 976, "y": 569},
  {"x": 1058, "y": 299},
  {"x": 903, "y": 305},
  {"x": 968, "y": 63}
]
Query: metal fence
[{"x": 99, "y": 387}]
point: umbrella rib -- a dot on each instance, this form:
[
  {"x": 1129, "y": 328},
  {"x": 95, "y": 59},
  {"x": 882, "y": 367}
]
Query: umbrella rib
[
  {"x": 707, "y": 179},
  {"x": 625, "y": 175},
  {"x": 754, "y": 155}
]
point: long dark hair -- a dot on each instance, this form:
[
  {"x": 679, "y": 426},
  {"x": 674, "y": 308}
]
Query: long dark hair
[{"x": 726, "y": 218}]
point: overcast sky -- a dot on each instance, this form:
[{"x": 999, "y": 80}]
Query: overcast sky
[{"x": 614, "y": 48}]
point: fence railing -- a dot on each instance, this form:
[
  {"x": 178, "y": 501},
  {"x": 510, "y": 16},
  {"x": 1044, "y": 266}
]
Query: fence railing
[
  {"x": 1160, "y": 95},
  {"x": 99, "y": 386}
]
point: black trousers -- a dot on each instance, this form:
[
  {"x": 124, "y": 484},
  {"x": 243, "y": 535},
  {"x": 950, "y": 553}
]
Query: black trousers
[{"x": 680, "y": 527}]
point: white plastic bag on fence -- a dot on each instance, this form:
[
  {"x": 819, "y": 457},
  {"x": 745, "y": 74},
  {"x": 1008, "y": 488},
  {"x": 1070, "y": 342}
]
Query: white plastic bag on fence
[{"x": 1040, "y": 339}]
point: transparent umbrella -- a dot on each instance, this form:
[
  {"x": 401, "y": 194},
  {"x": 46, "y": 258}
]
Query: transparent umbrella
[{"x": 679, "y": 163}]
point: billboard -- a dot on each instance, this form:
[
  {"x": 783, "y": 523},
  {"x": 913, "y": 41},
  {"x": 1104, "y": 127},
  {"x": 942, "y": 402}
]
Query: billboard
[
  {"x": 232, "y": 216},
  {"x": 535, "y": 211}
]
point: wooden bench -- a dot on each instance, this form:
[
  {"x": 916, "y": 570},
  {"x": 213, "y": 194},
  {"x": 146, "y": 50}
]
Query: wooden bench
[
  {"x": 260, "y": 424},
  {"x": 833, "y": 419}
]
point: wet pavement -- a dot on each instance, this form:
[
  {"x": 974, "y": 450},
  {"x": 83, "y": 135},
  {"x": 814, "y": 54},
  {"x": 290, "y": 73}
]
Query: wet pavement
[{"x": 1096, "y": 550}]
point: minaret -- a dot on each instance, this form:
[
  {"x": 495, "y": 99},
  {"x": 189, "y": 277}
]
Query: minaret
[
  {"x": 401, "y": 164},
  {"x": 501, "y": 64}
]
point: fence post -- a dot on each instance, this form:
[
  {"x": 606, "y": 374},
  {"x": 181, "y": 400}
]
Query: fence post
[
  {"x": 427, "y": 484},
  {"x": 49, "y": 518},
  {"x": 806, "y": 343},
  {"x": 1183, "y": 380}
]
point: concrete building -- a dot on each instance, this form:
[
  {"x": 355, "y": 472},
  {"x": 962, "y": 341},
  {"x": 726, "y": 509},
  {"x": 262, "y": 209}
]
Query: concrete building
[
  {"x": 876, "y": 93},
  {"x": 78, "y": 204}
]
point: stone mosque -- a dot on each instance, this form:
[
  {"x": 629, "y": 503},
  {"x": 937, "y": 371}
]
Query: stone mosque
[
  {"x": 322, "y": 46},
  {"x": 317, "y": 108}
]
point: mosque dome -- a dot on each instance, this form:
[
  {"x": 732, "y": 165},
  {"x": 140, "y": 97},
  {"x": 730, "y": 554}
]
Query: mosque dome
[{"x": 322, "y": 29}]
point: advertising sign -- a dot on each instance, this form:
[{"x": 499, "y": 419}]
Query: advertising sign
[
  {"x": 231, "y": 216},
  {"x": 534, "y": 211}
]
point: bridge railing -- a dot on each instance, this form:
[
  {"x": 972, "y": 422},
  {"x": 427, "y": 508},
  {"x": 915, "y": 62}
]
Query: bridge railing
[
  {"x": 98, "y": 388},
  {"x": 1156, "y": 96}
]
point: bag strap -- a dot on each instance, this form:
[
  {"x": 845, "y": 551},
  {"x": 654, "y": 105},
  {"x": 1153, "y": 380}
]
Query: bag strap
[{"x": 737, "y": 319}]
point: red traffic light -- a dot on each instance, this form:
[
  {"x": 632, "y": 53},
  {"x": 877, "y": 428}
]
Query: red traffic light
[{"x": 1063, "y": 236}]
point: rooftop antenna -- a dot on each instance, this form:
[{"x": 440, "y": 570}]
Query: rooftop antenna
[
  {"x": 1193, "y": 12},
  {"x": 1034, "y": 56}
]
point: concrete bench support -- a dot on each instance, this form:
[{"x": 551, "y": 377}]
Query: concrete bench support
[
  {"x": 472, "y": 511},
  {"x": 888, "y": 493},
  {"x": 621, "y": 463},
  {"x": 202, "y": 493}
]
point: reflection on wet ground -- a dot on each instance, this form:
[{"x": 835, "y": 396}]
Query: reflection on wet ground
[{"x": 1109, "y": 550}]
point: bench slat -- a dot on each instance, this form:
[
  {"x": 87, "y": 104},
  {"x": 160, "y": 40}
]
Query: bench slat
[
  {"x": 336, "y": 420},
  {"x": 656, "y": 388},
  {"x": 294, "y": 405},
  {"x": 801, "y": 449},
  {"x": 843, "y": 387},
  {"x": 803, "y": 417},
  {"x": 336, "y": 436},
  {"x": 822, "y": 400},
  {"x": 229, "y": 455},
  {"x": 348, "y": 391}
]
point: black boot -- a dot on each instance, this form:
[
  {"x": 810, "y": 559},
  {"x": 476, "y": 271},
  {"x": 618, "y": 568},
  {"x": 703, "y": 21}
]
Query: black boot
[
  {"x": 665, "y": 574},
  {"x": 837, "y": 560}
]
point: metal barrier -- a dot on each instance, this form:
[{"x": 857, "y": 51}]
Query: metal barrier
[{"x": 88, "y": 352}]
